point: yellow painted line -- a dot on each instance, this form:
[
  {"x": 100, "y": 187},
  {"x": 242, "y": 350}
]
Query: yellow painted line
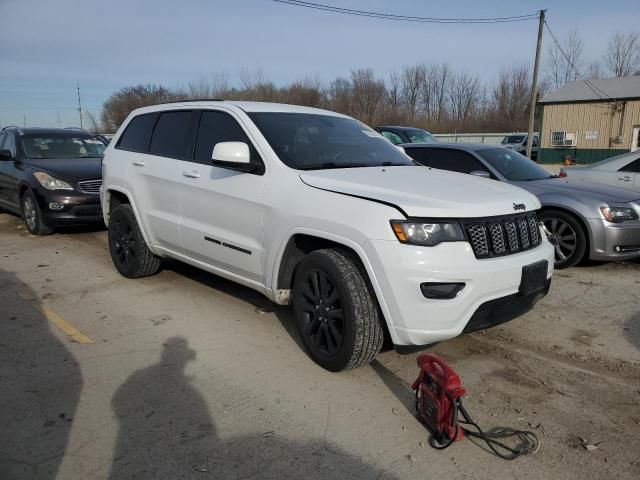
[{"x": 63, "y": 325}]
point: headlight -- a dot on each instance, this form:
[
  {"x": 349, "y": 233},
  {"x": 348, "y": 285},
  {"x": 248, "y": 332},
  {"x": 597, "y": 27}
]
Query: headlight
[
  {"x": 428, "y": 234},
  {"x": 618, "y": 214},
  {"x": 51, "y": 183}
]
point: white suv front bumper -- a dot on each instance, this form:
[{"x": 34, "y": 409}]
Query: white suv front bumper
[{"x": 412, "y": 319}]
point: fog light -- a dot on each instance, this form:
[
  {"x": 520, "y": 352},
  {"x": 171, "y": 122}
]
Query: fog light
[
  {"x": 56, "y": 206},
  {"x": 441, "y": 291}
]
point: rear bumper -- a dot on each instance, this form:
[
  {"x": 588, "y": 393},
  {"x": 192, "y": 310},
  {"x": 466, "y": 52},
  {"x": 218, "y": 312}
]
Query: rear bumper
[
  {"x": 614, "y": 241},
  {"x": 78, "y": 208}
]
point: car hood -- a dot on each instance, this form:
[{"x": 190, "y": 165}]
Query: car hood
[
  {"x": 578, "y": 190},
  {"x": 68, "y": 169},
  {"x": 424, "y": 192}
]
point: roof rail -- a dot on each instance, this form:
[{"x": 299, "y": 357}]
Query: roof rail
[
  {"x": 192, "y": 100},
  {"x": 10, "y": 126}
]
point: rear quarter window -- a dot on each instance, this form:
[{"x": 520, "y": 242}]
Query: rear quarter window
[{"x": 137, "y": 135}]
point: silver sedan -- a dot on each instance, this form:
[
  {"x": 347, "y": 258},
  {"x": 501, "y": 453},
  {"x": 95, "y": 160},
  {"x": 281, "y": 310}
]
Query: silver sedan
[
  {"x": 622, "y": 171},
  {"x": 581, "y": 219}
]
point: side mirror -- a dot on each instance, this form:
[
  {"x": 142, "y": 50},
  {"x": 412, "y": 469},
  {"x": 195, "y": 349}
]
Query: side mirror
[
  {"x": 481, "y": 173},
  {"x": 232, "y": 155},
  {"x": 5, "y": 156}
]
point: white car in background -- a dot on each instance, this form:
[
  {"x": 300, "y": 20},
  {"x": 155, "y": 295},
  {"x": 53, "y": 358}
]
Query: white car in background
[{"x": 622, "y": 171}]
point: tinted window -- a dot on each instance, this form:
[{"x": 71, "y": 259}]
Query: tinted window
[
  {"x": 10, "y": 144},
  {"x": 137, "y": 136},
  {"x": 512, "y": 165},
  {"x": 631, "y": 167},
  {"x": 418, "y": 154},
  {"x": 216, "y": 127},
  {"x": 174, "y": 135},
  {"x": 307, "y": 141},
  {"x": 2, "y": 135},
  {"x": 454, "y": 161}
]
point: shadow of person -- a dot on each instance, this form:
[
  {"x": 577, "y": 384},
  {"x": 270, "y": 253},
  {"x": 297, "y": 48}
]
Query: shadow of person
[
  {"x": 166, "y": 431},
  {"x": 40, "y": 383}
]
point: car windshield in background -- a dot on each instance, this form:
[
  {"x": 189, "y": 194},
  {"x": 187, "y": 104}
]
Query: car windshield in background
[
  {"x": 62, "y": 146},
  {"x": 513, "y": 166},
  {"x": 420, "y": 136},
  {"x": 309, "y": 141},
  {"x": 513, "y": 139}
]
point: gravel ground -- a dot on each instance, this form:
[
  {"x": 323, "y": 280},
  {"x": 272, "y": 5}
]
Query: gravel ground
[{"x": 191, "y": 376}]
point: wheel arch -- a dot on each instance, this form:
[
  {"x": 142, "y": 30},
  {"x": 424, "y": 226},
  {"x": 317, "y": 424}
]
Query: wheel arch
[
  {"x": 114, "y": 196},
  {"x": 300, "y": 244}
]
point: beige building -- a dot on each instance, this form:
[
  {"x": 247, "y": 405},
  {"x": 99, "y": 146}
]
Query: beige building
[{"x": 590, "y": 121}]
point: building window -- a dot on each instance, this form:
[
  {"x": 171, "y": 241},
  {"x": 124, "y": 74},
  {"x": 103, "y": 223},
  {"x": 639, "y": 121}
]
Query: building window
[{"x": 563, "y": 139}]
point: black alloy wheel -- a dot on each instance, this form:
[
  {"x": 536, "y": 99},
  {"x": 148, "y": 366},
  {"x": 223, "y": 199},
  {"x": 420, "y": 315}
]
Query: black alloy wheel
[{"x": 323, "y": 316}]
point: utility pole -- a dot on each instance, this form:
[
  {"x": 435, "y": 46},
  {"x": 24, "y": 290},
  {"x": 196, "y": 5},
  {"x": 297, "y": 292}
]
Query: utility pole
[
  {"x": 534, "y": 84},
  {"x": 24, "y": 120},
  {"x": 59, "y": 120},
  {"x": 79, "y": 105}
]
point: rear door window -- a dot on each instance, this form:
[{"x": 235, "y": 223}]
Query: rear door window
[
  {"x": 10, "y": 144},
  {"x": 2, "y": 135},
  {"x": 454, "y": 161},
  {"x": 392, "y": 137},
  {"x": 631, "y": 167},
  {"x": 174, "y": 134},
  {"x": 137, "y": 135}
]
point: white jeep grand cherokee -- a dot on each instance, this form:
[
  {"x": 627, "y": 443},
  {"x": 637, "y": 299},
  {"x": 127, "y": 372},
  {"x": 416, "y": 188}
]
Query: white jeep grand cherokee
[{"x": 316, "y": 209}]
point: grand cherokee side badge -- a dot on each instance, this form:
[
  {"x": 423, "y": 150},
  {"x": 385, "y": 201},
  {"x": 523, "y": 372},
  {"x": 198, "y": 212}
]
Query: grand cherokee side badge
[{"x": 519, "y": 206}]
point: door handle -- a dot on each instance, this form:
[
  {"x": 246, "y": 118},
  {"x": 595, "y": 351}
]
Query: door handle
[
  {"x": 191, "y": 173},
  {"x": 139, "y": 163},
  {"x": 625, "y": 179}
]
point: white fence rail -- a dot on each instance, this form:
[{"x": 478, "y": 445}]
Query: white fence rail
[{"x": 491, "y": 138}]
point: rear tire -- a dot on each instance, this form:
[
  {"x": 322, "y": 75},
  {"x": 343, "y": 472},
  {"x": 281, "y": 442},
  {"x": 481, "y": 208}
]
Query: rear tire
[
  {"x": 32, "y": 215},
  {"x": 567, "y": 237},
  {"x": 129, "y": 252},
  {"x": 336, "y": 310}
]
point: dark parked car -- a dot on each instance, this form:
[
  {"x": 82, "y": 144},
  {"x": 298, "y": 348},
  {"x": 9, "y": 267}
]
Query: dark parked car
[
  {"x": 398, "y": 135},
  {"x": 51, "y": 176},
  {"x": 581, "y": 219}
]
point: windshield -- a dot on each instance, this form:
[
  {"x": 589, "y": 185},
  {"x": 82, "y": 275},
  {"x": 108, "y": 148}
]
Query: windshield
[
  {"x": 61, "y": 145},
  {"x": 309, "y": 141},
  {"x": 513, "y": 139},
  {"x": 420, "y": 136},
  {"x": 513, "y": 166}
]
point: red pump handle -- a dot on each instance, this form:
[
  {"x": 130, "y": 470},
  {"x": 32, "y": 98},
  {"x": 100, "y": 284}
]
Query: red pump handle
[{"x": 434, "y": 365}]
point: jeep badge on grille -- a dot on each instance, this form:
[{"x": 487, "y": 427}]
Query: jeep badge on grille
[{"x": 519, "y": 206}]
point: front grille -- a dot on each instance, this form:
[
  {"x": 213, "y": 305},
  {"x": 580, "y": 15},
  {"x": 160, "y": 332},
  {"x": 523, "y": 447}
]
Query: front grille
[
  {"x": 90, "y": 186},
  {"x": 496, "y": 236}
]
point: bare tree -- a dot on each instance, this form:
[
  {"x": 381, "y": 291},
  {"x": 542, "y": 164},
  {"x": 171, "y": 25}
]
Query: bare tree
[
  {"x": 95, "y": 127},
  {"x": 367, "y": 92},
  {"x": 411, "y": 81},
  {"x": 340, "y": 96},
  {"x": 595, "y": 71},
  {"x": 215, "y": 86},
  {"x": 464, "y": 93},
  {"x": 565, "y": 61},
  {"x": 622, "y": 57}
]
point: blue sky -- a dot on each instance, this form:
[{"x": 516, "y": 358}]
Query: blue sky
[{"x": 46, "y": 46}]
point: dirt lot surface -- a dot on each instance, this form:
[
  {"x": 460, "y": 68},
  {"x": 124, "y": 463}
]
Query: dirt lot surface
[{"x": 191, "y": 376}]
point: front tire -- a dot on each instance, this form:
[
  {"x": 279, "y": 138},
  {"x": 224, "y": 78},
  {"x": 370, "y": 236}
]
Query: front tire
[
  {"x": 129, "y": 252},
  {"x": 567, "y": 237},
  {"x": 336, "y": 310},
  {"x": 32, "y": 215}
]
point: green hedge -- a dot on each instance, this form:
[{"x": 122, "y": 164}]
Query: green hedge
[{"x": 581, "y": 156}]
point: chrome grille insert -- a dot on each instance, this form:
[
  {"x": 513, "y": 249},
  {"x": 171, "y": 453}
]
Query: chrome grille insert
[{"x": 90, "y": 186}]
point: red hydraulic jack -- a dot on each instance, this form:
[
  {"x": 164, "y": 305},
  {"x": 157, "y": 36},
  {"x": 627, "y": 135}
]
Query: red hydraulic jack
[{"x": 439, "y": 394}]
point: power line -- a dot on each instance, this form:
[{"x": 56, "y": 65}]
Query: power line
[
  {"x": 599, "y": 92},
  {"x": 405, "y": 18}
]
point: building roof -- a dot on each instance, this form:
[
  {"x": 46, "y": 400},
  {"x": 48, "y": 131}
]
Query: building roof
[{"x": 606, "y": 88}]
